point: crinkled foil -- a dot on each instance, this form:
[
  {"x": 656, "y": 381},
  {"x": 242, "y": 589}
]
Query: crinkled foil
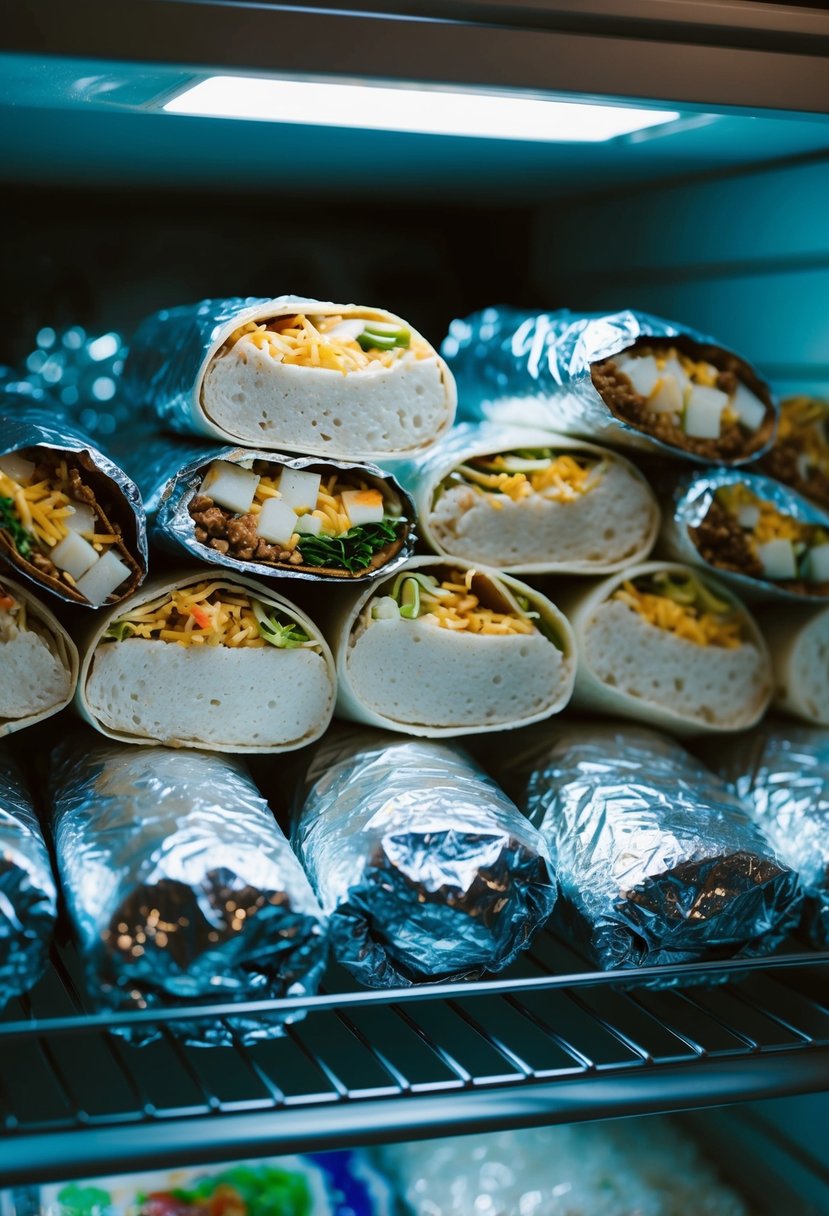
[
  {"x": 692, "y": 498},
  {"x": 781, "y": 772},
  {"x": 25, "y": 421},
  {"x": 179, "y": 883},
  {"x": 425, "y": 867},
  {"x": 533, "y": 369},
  {"x": 658, "y": 861},
  {"x": 28, "y": 898},
  {"x": 174, "y": 479}
]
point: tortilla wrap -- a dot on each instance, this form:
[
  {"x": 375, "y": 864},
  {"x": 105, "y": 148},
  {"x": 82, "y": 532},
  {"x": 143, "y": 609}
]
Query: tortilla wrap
[
  {"x": 180, "y": 364},
  {"x": 217, "y": 698},
  {"x": 799, "y": 649},
  {"x": 633, "y": 669},
  {"x": 418, "y": 678},
  {"x": 38, "y": 665}
]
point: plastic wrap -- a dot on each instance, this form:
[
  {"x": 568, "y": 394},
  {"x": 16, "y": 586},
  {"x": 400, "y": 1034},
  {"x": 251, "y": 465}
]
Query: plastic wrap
[
  {"x": 180, "y": 885},
  {"x": 781, "y": 772},
  {"x": 658, "y": 861},
  {"x": 424, "y": 866},
  {"x": 692, "y": 498},
  {"x": 533, "y": 369},
  {"x": 25, "y": 423},
  {"x": 28, "y": 898}
]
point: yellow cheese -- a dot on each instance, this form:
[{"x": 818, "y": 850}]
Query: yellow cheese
[
  {"x": 461, "y": 610},
  {"x": 304, "y": 342},
  {"x": 205, "y": 614},
  {"x": 684, "y": 620}
]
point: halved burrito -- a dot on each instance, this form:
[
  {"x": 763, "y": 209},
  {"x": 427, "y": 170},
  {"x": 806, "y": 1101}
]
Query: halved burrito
[
  {"x": 661, "y": 643},
  {"x": 800, "y": 456},
  {"x": 38, "y": 660},
  {"x": 293, "y": 374},
  {"x": 70, "y": 520},
  {"x": 533, "y": 502},
  {"x": 266, "y": 514},
  {"x": 444, "y": 648},
  {"x": 799, "y": 649},
  {"x": 208, "y": 661}
]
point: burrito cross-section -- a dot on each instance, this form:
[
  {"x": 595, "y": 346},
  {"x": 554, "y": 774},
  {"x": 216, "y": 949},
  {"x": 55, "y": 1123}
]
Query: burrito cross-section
[
  {"x": 425, "y": 867},
  {"x": 799, "y": 649},
  {"x": 38, "y": 660},
  {"x": 800, "y": 456},
  {"x": 208, "y": 661}
]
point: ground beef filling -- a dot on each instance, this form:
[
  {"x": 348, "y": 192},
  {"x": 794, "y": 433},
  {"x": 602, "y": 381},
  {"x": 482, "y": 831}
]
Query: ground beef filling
[
  {"x": 721, "y": 542},
  {"x": 782, "y": 464}
]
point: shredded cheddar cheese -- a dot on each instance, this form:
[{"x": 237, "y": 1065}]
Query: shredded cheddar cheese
[
  {"x": 306, "y": 342},
  {"x": 806, "y": 419},
  {"x": 459, "y": 609},
  {"x": 564, "y": 479},
  {"x": 44, "y": 506},
  {"x": 772, "y": 523},
  {"x": 205, "y": 614},
  {"x": 683, "y": 620}
]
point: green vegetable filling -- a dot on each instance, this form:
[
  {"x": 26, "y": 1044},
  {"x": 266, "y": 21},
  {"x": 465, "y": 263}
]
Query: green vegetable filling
[
  {"x": 10, "y": 523},
  {"x": 352, "y": 550},
  {"x": 284, "y": 635}
]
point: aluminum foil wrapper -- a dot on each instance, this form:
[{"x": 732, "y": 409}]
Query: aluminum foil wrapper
[
  {"x": 174, "y": 478},
  {"x": 424, "y": 866},
  {"x": 781, "y": 772},
  {"x": 659, "y": 862},
  {"x": 533, "y": 369},
  {"x": 180, "y": 885},
  {"x": 28, "y": 897},
  {"x": 26, "y": 420},
  {"x": 692, "y": 496}
]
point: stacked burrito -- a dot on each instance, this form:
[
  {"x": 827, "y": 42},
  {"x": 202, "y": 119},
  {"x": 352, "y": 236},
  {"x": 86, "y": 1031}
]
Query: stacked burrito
[{"x": 38, "y": 660}]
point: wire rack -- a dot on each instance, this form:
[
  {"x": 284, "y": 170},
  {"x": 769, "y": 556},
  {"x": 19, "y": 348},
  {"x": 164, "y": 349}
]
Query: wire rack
[{"x": 549, "y": 1042}]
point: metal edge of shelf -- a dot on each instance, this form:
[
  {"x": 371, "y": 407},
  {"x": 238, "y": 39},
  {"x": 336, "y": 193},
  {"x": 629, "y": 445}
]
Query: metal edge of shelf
[{"x": 94, "y": 1151}]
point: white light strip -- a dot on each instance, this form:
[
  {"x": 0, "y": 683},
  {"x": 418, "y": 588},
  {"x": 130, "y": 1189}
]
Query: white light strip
[{"x": 425, "y": 111}]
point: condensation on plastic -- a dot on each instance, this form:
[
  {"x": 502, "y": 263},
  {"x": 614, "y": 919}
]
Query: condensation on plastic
[
  {"x": 781, "y": 772},
  {"x": 174, "y": 479},
  {"x": 658, "y": 861},
  {"x": 425, "y": 867},
  {"x": 533, "y": 369},
  {"x": 25, "y": 422},
  {"x": 28, "y": 897},
  {"x": 692, "y": 498},
  {"x": 180, "y": 884}
]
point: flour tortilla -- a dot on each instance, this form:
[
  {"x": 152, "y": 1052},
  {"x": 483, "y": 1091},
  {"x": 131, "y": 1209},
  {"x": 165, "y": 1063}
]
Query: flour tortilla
[
  {"x": 38, "y": 668},
  {"x": 216, "y": 698},
  {"x": 629, "y": 668},
  {"x": 799, "y": 648}
]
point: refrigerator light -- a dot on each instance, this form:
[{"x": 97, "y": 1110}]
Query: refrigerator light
[{"x": 414, "y": 109}]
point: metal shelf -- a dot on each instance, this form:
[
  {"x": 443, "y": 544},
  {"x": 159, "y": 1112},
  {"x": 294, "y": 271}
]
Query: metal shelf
[{"x": 550, "y": 1042}]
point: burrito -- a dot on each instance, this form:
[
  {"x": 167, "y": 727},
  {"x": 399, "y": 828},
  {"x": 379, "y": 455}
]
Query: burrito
[
  {"x": 265, "y": 514},
  {"x": 38, "y": 660},
  {"x": 293, "y": 374},
  {"x": 799, "y": 649},
  {"x": 447, "y": 649},
  {"x": 760, "y": 536},
  {"x": 208, "y": 661},
  {"x": 70, "y": 520},
  {"x": 664, "y": 644},
  {"x": 425, "y": 868},
  {"x": 659, "y": 862},
  {"x": 625, "y": 378},
  {"x": 532, "y": 502},
  {"x": 179, "y": 884},
  {"x": 800, "y": 456},
  {"x": 28, "y": 897}
]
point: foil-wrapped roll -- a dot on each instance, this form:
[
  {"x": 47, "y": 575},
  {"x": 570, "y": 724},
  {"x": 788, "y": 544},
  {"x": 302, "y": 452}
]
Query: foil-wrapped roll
[
  {"x": 179, "y": 883},
  {"x": 781, "y": 772},
  {"x": 729, "y": 521},
  {"x": 659, "y": 863},
  {"x": 537, "y": 369},
  {"x": 181, "y": 522},
  {"x": 28, "y": 897},
  {"x": 424, "y": 866},
  {"x": 28, "y": 425}
]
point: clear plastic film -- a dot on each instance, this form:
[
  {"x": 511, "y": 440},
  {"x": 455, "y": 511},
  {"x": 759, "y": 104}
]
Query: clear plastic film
[
  {"x": 534, "y": 369},
  {"x": 658, "y": 861},
  {"x": 692, "y": 498},
  {"x": 425, "y": 867},
  {"x": 781, "y": 772},
  {"x": 28, "y": 898},
  {"x": 180, "y": 885}
]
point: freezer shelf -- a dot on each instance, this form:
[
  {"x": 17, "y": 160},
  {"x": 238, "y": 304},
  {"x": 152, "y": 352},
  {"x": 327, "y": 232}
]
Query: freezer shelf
[{"x": 550, "y": 1042}]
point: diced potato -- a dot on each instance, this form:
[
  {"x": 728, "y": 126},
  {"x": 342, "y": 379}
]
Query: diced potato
[
  {"x": 667, "y": 397},
  {"x": 703, "y": 412},
  {"x": 817, "y": 564},
  {"x": 674, "y": 368},
  {"x": 299, "y": 488},
  {"x": 778, "y": 559},
  {"x": 103, "y": 578},
  {"x": 17, "y": 467},
  {"x": 363, "y": 506},
  {"x": 74, "y": 555},
  {"x": 82, "y": 519},
  {"x": 230, "y": 486},
  {"x": 308, "y": 525},
  {"x": 642, "y": 373},
  {"x": 748, "y": 516},
  {"x": 276, "y": 522},
  {"x": 748, "y": 408}
]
